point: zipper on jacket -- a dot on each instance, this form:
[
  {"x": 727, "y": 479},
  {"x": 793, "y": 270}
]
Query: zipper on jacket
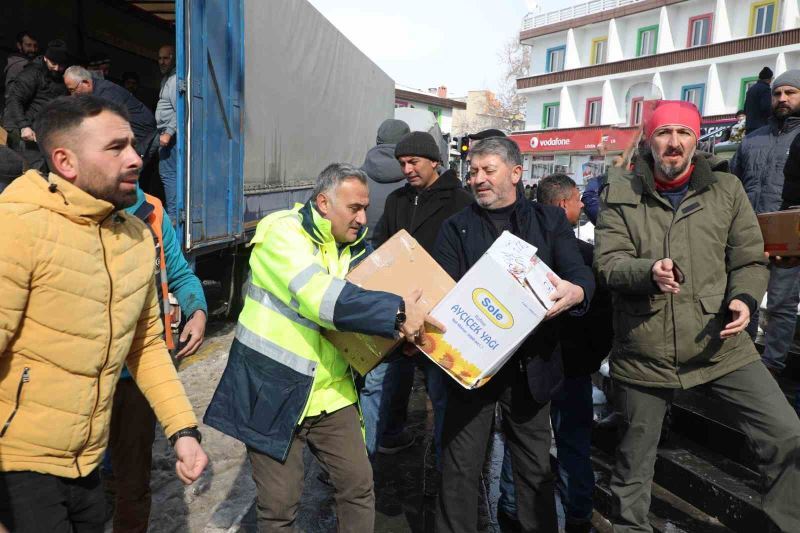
[
  {"x": 26, "y": 377},
  {"x": 108, "y": 346},
  {"x": 414, "y": 211}
]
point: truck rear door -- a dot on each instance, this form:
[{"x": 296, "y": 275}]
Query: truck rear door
[{"x": 211, "y": 66}]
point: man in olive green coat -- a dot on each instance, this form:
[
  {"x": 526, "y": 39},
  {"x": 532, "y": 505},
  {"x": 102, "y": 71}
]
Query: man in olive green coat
[{"x": 679, "y": 247}]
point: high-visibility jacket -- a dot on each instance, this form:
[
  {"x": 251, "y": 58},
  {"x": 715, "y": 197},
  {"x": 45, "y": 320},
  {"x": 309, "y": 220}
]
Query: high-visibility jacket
[
  {"x": 281, "y": 369},
  {"x": 152, "y": 213}
]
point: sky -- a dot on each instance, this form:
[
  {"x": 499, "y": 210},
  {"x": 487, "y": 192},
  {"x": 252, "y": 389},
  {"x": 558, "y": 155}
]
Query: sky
[{"x": 428, "y": 43}]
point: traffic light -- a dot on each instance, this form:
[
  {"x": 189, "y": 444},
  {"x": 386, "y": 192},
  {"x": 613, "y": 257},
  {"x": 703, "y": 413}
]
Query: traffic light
[{"x": 464, "y": 149}]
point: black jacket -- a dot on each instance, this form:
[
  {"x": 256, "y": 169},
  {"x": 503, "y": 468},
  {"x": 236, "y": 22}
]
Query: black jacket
[
  {"x": 31, "y": 90},
  {"x": 466, "y": 236},
  {"x": 791, "y": 172},
  {"x": 422, "y": 214},
  {"x": 143, "y": 122},
  {"x": 586, "y": 340},
  {"x": 757, "y": 106}
]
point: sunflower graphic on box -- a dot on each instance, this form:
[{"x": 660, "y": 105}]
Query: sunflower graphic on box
[{"x": 448, "y": 357}]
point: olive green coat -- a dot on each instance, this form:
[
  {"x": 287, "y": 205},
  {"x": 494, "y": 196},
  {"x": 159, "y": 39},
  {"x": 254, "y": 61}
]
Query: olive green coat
[{"x": 665, "y": 340}]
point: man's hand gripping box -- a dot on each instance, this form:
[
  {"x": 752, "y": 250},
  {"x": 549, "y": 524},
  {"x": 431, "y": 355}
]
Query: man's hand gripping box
[{"x": 490, "y": 312}]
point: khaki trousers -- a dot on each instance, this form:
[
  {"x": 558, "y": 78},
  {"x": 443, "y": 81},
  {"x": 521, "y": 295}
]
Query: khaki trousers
[{"x": 336, "y": 441}]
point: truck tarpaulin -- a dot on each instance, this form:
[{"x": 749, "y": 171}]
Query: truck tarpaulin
[{"x": 311, "y": 97}]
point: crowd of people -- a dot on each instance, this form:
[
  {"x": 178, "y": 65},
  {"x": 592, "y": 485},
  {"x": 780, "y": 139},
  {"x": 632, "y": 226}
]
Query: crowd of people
[
  {"x": 31, "y": 80},
  {"x": 676, "y": 275}
]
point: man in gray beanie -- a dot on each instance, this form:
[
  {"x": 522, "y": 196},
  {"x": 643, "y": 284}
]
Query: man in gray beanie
[
  {"x": 420, "y": 208},
  {"x": 759, "y": 163},
  {"x": 383, "y": 169}
]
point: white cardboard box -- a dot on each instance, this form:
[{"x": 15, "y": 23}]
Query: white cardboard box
[{"x": 490, "y": 312}]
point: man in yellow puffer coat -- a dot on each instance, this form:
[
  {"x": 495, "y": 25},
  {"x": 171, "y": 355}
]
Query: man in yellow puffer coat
[{"x": 79, "y": 302}]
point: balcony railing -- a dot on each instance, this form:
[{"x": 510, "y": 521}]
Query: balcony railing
[{"x": 534, "y": 20}]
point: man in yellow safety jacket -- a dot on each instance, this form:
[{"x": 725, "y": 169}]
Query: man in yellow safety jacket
[{"x": 285, "y": 385}]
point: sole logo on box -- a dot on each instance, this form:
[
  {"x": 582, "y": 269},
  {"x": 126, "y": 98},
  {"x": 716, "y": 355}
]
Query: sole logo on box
[{"x": 492, "y": 308}]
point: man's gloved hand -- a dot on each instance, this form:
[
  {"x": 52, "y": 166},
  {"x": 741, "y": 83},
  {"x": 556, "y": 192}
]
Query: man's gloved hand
[{"x": 192, "y": 334}]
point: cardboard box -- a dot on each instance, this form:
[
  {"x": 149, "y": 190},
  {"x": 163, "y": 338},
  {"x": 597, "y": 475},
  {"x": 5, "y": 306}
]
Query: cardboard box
[
  {"x": 399, "y": 266},
  {"x": 491, "y": 311},
  {"x": 781, "y": 231}
]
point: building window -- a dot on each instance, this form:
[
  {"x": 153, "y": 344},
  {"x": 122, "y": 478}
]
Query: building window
[
  {"x": 593, "y": 108},
  {"x": 599, "y": 50},
  {"x": 699, "y": 30},
  {"x": 437, "y": 112},
  {"x": 647, "y": 41},
  {"x": 550, "y": 115},
  {"x": 762, "y": 17},
  {"x": 555, "y": 58},
  {"x": 694, "y": 94},
  {"x": 744, "y": 86},
  {"x": 637, "y": 110}
]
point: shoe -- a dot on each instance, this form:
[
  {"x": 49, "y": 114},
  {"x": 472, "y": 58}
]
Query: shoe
[
  {"x": 507, "y": 523},
  {"x": 612, "y": 421},
  {"x": 391, "y": 444},
  {"x": 582, "y": 526}
]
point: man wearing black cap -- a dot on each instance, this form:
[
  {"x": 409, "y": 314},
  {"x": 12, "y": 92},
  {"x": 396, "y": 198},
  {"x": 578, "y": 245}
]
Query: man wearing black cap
[
  {"x": 420, "y": 208},
  {"x": 757, "y": 102},
  {"x": 38, "y": 83}
]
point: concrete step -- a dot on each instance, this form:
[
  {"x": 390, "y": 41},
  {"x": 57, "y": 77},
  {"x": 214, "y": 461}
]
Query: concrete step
[{"x": 668, "y": 512}]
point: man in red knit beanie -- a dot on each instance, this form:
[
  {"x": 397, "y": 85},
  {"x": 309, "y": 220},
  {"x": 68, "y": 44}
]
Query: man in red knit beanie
[{"x": 678, "y": 245}]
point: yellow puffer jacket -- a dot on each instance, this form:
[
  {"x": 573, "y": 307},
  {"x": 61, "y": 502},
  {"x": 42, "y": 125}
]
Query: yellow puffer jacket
[{"x": 78, "y": 301}]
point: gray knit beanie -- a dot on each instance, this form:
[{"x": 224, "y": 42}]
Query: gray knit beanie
[
  {"x": 790, "y": 77},
  {"x": 391, "y": 131},
  {"x": 419, "y": 143}
]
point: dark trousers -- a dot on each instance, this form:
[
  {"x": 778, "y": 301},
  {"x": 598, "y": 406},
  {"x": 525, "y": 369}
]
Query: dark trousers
[
  {"x": 467, "y": 429},
  {"x": 42, "y": 503},
  {"x": 130, "y": 443},
  {"x": 337, "y": 442},
  {"x": 759, "y": 409}
]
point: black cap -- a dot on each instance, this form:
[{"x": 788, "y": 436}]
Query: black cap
[
  {"x": 419, "y": 143},
  {"x": 485, "y": 134},
  {"x": 57, "y": 53},
  {"x": 765, "y": 74}
]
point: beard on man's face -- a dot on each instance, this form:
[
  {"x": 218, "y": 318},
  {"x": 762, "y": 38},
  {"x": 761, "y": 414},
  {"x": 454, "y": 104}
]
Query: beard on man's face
[
  {"x": 673, "y": 171},
  {"x": 112, "y": 193}
]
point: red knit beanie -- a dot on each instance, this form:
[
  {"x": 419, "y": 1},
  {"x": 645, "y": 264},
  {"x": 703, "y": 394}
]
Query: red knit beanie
[{"x": 672, "y": 113}]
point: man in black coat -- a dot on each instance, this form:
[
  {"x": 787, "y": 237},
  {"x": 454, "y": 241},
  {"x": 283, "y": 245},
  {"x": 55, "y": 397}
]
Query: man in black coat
[
  {"x": 79, "y": 80},
  {"x": 525, "y": 384},
  {"x": 419, "y": 207},
  {"x": 38, "y": 83},
  {"x": 758, "y": 102}
]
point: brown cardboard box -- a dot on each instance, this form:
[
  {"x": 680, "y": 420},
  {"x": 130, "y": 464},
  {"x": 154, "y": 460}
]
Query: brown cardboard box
[
  {"x": 399, "y": 266},
  {"x": 781, "y": 231}
]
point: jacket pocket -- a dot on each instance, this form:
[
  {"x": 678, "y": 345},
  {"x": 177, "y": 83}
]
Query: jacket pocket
[
  {"x": 23, "y": 379},
  {"x": 639, "y": 325},
  {"x": 712, "y": 317}
]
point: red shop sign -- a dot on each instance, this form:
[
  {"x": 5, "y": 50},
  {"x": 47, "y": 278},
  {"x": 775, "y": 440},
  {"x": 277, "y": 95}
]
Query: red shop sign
[{"x": 577, "y": 140}]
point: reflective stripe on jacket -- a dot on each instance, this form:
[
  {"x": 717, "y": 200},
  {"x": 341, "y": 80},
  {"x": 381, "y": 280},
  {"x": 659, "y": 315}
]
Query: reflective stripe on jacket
[{"x": 281, "y": 369}]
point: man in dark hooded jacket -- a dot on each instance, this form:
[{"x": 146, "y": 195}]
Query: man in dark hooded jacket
[
  {"x": 383, "y": 169},
  {"x": 420, "y": 207},
  {"x": 38, "y": 83},
  {"x": 757, "y": 102}
]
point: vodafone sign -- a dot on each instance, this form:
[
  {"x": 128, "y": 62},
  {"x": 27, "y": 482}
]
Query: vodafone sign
[{"x": 574, "y": 140}]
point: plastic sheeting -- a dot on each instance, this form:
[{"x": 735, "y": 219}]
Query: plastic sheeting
[{"x": 311, "y": 97}]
